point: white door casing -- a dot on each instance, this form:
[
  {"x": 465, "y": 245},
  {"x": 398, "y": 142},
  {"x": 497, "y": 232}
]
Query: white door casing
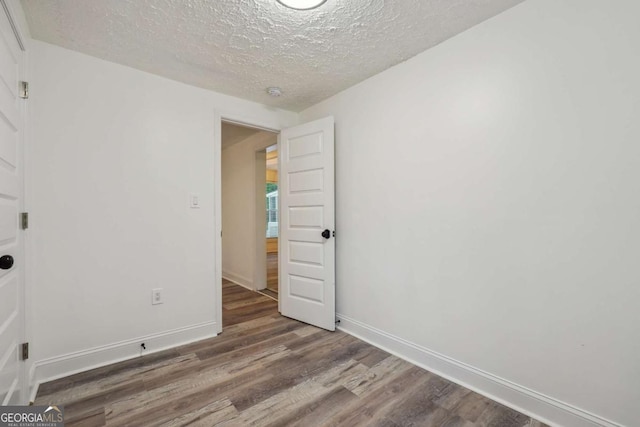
[
  {"x": 12, "y": 295},
  {"x": 307, "y": 203}
]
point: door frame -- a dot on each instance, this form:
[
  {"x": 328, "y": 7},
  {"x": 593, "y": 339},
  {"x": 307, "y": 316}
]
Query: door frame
[
  {"x": 261, "y": 250},
  {"x": 259, "y": 227},
  {"x": 271, "y": 125},
  {"x": 15, "y": 15}
]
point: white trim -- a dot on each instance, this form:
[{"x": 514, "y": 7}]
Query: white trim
[
  {"x": 15, "y": 27},
  {"x": 237, "y": 283},
  {"x": 250, "y": 122},
  {"x": 219, "y": 116},
  {"x": 17, "y": 21},
  {"x": 33, "y": 387},
  {"x": 217, "y": 214},
  {"x": 259, "y": 241},
  {"x": 238, "y": 280},
  {"x": 80, "y": 361},
  {"x": 536, "y": 405},
  {"x": 261, "y": 292},
  {"x": 10, "y": 393},
  {"x": 279, "y": 148}
]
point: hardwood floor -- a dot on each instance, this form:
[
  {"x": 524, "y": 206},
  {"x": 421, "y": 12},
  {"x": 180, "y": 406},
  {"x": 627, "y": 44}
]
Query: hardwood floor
[
  {"x": 268, "y": 370},
  {"x": 272, "y": 271}
]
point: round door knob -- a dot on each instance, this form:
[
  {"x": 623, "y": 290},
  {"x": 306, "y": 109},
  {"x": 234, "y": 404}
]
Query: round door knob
[
  {"x": 6, "y": 262},
  {"x": 326, "y": 234}
]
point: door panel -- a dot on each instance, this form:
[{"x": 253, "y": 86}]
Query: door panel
[
  {"x": 12, "y": 384},
  {"x": 306, "y": 253},
  {"x": 307, "y": 260}
]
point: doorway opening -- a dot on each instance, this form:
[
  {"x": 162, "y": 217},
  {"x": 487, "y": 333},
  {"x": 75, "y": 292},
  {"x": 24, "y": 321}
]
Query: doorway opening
[
  {"x": 249, "y": 185},
  {"x": 306, "y": 218},
  {"x": 272, "y": 216}
]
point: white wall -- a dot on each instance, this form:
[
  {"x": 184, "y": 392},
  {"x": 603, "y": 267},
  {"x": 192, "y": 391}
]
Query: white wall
[
  {"x": 115, "y": 154},
  {"x": 239, "y": 208},
  {"x": 504, "y": 232}
]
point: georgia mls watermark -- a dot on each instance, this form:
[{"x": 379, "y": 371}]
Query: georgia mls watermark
[{"x": 31, "y": 416}]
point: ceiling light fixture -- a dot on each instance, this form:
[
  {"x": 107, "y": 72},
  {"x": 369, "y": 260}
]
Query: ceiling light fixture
[{"x": 301, "y": 4}]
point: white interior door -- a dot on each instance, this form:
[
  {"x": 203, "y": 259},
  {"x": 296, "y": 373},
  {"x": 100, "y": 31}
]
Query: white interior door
[
  {"x": 307, "y": 222},
  {"x": 12, "y": 320}
]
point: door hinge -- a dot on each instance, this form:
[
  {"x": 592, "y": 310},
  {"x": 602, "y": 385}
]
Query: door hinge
[
  {"x": 24, "y": 90},
  {"x": 24, "y": 220},
  {"x": 24, "y": 351}
]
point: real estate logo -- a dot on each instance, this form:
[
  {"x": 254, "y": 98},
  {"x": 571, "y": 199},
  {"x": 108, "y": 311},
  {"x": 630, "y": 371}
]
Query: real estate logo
[{"x": 31, "y": 416}]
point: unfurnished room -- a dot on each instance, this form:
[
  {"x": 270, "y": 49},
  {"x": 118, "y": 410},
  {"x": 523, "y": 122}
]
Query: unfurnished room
[{"x": 320, "y": 213}]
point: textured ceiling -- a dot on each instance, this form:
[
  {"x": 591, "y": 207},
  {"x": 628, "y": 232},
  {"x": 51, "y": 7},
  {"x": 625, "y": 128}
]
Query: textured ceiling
[{"x": 240, "y": 47}]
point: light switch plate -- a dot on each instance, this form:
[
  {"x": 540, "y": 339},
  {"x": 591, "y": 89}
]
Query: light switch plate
[
  {"x": 156, "y": 296},
  {"x": 194, "y": 201}
]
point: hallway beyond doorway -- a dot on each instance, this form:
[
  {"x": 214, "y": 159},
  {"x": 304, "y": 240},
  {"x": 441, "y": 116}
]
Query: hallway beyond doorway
[{"x": 272, "y": 274}]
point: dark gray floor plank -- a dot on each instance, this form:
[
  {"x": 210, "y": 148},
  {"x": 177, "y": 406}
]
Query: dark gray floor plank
[{"x": 265, "y": 369}]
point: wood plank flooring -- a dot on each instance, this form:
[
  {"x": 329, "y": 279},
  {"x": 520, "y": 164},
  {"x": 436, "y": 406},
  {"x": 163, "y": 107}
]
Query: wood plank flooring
[
  {"x": 272, "y": 271},
  {"x": 267, "y": 370}
]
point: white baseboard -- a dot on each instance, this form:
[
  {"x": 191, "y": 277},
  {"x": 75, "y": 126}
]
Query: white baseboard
[
  {"x": 33, "y": 385},
  {"x": 68, "y": 364},
  {"x": 238, "y": 279},
  {"x": 536, "y": 405}
]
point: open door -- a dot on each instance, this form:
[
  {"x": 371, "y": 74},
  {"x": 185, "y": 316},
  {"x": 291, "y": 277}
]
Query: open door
[
  {"x": 13, "y": 388},
  {"x": 307, "y": 224}
]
